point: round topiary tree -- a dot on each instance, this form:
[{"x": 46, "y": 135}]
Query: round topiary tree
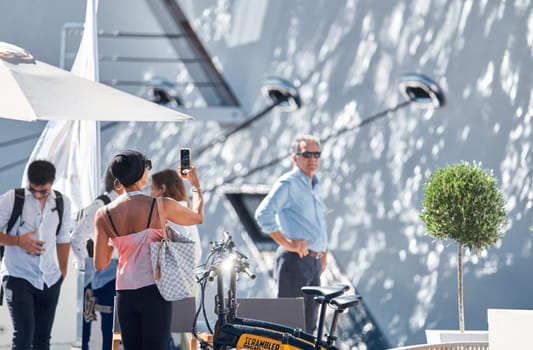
[{"x": 462, "y": 202}]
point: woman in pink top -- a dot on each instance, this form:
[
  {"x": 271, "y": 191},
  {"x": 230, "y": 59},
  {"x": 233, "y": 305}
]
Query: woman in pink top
[{"x": 132, "y": 222}]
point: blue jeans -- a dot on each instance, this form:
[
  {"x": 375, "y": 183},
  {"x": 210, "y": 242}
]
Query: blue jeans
[
  {"x": 32, "y": 312},
  {"x": 104, "y": 297}
]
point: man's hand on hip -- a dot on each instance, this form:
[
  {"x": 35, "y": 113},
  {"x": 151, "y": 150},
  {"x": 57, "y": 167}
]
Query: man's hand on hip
[{"x": 298, "y": 246}]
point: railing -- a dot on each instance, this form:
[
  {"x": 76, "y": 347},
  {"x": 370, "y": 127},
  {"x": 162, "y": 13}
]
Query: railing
[{"x": 448, "y": 346}]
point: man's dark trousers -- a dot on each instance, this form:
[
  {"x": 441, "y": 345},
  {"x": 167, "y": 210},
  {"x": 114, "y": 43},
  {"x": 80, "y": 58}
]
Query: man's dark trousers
[
  {"x": 32, "y": 312},
  {"x": 293, "y": 273}
]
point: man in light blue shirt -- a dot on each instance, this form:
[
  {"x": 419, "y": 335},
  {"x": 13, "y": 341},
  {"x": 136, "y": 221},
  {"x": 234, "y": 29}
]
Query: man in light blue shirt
[
  {"x": 36, "y": 257},
  {"x": 294, "y": 216}
]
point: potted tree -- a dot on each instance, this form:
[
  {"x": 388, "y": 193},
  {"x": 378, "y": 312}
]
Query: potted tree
[{"x": 462, "y": 202}]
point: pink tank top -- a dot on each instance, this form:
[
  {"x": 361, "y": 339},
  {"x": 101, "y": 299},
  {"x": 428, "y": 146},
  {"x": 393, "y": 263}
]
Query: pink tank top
[{"x": 134, "y": 265}]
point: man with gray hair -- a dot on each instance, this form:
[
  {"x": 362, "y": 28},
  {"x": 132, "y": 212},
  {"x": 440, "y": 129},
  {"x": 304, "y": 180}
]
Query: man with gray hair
[{"x": 293, "y": 214}]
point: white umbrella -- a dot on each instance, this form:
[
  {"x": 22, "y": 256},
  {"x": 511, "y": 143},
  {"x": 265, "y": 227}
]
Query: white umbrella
[{"x": 31, "y": 90}]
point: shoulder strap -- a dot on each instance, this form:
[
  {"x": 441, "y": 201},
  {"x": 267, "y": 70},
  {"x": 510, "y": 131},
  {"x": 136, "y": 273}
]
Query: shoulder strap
[
  {"x": 15, "y": 213},
  {"x": 104, "y": 198},
  {"x": 111, "y": 221},
  {"x": 19, "y": 204},
  {"x": 162, "y": 220},
  {"x": 60, "y": 209},
  {"x": 151, "y": 212},
  {"x": 17, "y": 208}
]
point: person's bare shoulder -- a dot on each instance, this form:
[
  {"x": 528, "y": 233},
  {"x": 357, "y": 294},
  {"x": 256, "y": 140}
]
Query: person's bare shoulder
[{"x": 100, "y": 214}]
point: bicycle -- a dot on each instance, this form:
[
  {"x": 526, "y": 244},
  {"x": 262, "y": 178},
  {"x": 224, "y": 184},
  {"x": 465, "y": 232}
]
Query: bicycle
[{"x": 232, "y": 331}]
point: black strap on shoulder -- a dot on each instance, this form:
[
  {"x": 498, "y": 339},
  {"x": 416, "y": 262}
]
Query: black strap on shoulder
[
  {"x": 15, "y": 214},
  {"x": 19, "y": 204},
  {"x": 17, "y": 208},
  {"x": 151, "y": 211},
  {"x": 60, "y": 207},
  {"x": 104, "y": 198},
  {"x": 81, "y": 213},
  {"x": 111, "y": 220}
]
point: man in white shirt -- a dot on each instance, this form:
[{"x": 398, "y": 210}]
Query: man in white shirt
[
  {"x": 99, "y": 286},
  {"x": 36, "y": 256}
]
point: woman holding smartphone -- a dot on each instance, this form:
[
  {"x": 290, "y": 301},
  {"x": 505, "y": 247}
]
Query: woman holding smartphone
[
  {"x": 168, "y": 183},
  {"x": 131, "y": 223}
]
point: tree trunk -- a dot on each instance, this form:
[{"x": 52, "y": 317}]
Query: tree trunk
[{"x": 460, "y": 289}]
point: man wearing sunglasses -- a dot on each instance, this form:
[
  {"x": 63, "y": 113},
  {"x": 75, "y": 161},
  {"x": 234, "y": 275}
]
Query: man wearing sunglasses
[
  {"x": 36, "y": 255},
  {"x": 294, "y": 216}
]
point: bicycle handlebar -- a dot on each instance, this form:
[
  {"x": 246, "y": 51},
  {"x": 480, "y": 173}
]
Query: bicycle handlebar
[
  {"x": 224, "y": 258},
  {"x": 211, "y": 275},
  {"x": 224, "y": 254},
  {"x": 250, "y": 273}
]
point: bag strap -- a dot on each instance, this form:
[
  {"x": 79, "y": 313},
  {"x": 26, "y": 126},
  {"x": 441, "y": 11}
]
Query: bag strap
[
  {"x": 60, "y": 209},
  {"x": 104, "y": 198},
  {"x": 17, "y": 208},
  {"x": 162, "y": 219},
  {"x": 15, "y": 213}
]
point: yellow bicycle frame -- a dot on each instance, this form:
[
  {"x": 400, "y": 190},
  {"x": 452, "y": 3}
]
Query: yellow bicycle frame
[{"x": 258, "y": 342}]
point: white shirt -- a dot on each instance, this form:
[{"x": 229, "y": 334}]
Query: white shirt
[
  {"x": 37, "y": 270},
  {"x": 82, "y": 232},
  {"x": 192, "y": 233}
]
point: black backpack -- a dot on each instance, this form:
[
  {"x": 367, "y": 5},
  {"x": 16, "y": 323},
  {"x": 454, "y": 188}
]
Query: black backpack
[
  {"x": 19, "y": 204},
  {"x": 17, "y": 211},
  {"x": 104, "y": 198},
  {"x": 90, "y": 243}
]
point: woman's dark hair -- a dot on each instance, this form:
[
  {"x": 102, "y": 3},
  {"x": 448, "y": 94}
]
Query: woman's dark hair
[
  {"x": 109, "y": 180},
  {"x": 174, "y": 186},
  {"x": 41, "y": 172},
  {"x": 128, "y": 167}
]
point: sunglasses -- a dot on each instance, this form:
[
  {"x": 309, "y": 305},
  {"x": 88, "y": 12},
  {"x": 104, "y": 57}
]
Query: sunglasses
[
  {"x": 309, "y": 154},
  {"x": 148, "y": 164},
  {"x": 41, "y": 192}
]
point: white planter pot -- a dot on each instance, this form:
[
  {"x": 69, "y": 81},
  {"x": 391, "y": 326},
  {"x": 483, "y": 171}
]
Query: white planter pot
[
  {"x": 510, "y": 329},
  {"x": 437, "y": 336}
]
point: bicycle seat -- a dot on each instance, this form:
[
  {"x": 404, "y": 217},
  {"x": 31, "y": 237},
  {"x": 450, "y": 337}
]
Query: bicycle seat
[
  {"x": 327, "y": 292},
  {"x": 345, "y": 301}
]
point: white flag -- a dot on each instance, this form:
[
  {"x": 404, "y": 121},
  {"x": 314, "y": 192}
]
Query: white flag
[
  {"x": 86, "y": 62},
  {"x": 74, "y": 145}
]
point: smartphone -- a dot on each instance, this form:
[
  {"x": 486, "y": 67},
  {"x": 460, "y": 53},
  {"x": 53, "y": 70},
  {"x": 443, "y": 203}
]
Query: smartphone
[{"x": 185, "y": 159}]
